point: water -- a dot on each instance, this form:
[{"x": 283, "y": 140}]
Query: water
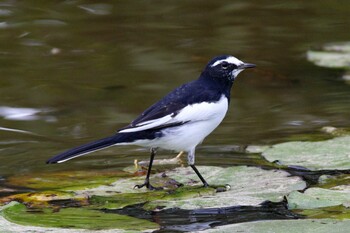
[
  {"x": 177, "y": 220},
  {"x": 75, "y": 71}
]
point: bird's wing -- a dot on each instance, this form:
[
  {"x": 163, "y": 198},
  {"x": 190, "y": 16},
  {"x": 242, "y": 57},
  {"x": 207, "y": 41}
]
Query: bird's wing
[
  {"x": 162, "y": 114},
  {"x": 166, "y": 121},
  {"x": 166, "y": 112}
]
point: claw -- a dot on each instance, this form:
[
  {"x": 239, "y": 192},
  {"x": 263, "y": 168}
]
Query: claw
[
  {"x": 148, "y": 186},
  {"x": 138, "y": 186}
]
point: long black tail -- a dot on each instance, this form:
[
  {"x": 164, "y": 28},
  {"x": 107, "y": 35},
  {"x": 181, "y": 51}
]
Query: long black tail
[
  {"x": 103, "y": 143},
  {"x": 82, "y": 150},
  {"x": 91, "y": 147}
]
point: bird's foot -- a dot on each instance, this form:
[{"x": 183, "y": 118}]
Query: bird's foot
[{"x": 148, "y": 186}]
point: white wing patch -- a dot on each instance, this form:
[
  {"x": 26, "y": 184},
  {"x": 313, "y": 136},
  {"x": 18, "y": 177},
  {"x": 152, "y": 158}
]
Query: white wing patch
[
  {"x": 192, "y": 113},
  {"x": 204, "y": 111},
  {"x": 231, "y": 60},
  {"x": 149, "y": 124}
]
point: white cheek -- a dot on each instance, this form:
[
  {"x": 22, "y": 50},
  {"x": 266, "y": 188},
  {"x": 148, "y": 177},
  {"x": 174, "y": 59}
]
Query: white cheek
[{"x": 235, "y": 73}]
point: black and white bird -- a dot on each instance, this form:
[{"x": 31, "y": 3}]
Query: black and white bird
[{"x": 180, "y": 121}]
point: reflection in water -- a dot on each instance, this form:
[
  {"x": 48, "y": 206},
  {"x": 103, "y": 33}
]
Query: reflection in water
[
  {"x": 24, "y": 114},
  {"x": 179, "y": 220}
]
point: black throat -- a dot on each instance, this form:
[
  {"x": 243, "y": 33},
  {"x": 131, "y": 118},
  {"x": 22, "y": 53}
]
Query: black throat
[{"x": 222, "y": 84}]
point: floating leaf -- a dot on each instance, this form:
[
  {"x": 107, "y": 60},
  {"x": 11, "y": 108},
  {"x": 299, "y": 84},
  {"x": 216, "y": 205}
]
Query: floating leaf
[
  {"x": 287, "y": 226},
  {"x": 328, "y": 154},
  {"x": 319, "y": 197},
  {"x": 334, "y": 212},
  {"x": 249, "y": 186},
  {"x": 66, "y": 180},
  {"x": 47, "y": 198},
  {"x": 73, "y": 218},
  {"x": 332, "y": 55}
]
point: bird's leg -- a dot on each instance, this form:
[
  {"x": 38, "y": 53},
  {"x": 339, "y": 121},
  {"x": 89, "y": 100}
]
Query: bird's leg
[
  {"x": 191, "y": 158},
  {"x": 218, "y": 188},
  {"x": 205, "y": 184},
  {"x": 147, "y": 183}
]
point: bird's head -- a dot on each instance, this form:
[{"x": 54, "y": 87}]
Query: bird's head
[{"x": 226, "y": 67}]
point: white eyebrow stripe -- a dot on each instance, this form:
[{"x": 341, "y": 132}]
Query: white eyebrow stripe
[{"x": 231, "y": 60}]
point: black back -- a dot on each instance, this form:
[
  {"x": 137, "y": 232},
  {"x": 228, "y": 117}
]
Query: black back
[{"x": 209, "y": 87}]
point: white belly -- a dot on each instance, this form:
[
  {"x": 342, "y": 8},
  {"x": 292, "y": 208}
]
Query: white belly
[{"x": 203, "y": 119}]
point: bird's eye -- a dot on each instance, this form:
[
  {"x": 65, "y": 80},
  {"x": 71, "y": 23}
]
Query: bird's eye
[{"x": 224, "y": 65}]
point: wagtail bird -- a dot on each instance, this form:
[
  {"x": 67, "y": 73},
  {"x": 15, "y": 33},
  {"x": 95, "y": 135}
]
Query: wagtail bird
[{"x": 180, "y": 121}]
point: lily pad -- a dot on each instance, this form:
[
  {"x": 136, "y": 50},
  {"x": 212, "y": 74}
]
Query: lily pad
[
  {"x": 332, "y": 55},
  {"x": 249, "y": 186},
  {"x": 328, "y": 154},
  {"x": 9, "y": 227},
  {"x": 47, "y": 198},
  {"x": 124, "y": 199},
  {"x": 73, "y": 218},
  {"x": 330, "y": 181},
  {"x": 319, "y": 197},
  {"x": 287, "y": 226},
  {"x": 66, "y": 180},
  {"x": 334, "y": 212}
]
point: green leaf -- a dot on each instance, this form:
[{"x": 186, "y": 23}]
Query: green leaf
[
  {"x": 249, "y": 186},
  {"x": 328, "y": 154},
  {"x": 331, "y": 55},
  {"x": 319, "y": 197},
  {"x": 287, "y": 226},
  {"x": 73, "y": 218}
]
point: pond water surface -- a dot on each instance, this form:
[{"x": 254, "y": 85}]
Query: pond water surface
[{"x": 75, "y": 71}]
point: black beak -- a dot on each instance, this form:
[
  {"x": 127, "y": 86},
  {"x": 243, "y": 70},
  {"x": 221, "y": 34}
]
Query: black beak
[{"x": 246, "y": 66}]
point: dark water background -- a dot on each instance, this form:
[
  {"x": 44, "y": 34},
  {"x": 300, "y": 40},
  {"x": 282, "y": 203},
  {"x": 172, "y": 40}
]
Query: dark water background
[{"x": 75, "y": 71}]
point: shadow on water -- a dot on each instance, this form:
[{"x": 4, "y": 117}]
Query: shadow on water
[
  {"x": 8, "y": 189},
  {"x": 313, "y": 177},
  {"x": 180, "y": 220}
]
